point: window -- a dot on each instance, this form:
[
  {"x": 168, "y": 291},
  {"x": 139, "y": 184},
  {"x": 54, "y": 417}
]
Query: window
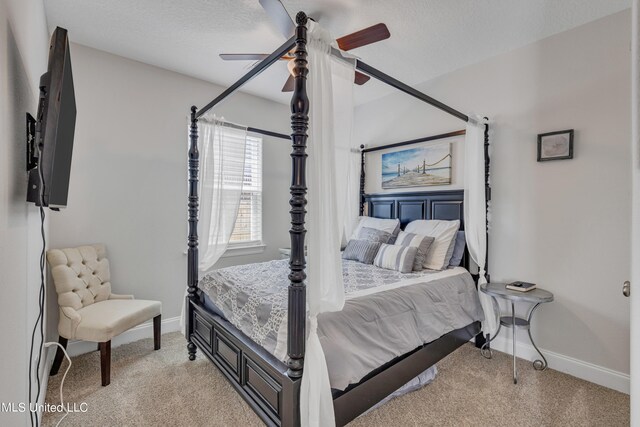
[{"x": 248, "y": 228}]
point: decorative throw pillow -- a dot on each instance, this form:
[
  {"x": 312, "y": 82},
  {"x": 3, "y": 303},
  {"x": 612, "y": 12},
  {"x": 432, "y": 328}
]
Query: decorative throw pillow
[
  {"x": 363, "y": 251},
  {"x": 394, "y": 235},
  {"x": 388, "y": 225},
  {"x": 419, "y": 241},
  {"x": 458, "y": 250},
  {"x": 373, "y": 235},
  {"x": 394, "y": 257},
  {"x": 444, "y": 232}
]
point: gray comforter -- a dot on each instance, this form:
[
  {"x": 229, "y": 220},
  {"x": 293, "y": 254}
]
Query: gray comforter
[{"x": 386, "y": 313}]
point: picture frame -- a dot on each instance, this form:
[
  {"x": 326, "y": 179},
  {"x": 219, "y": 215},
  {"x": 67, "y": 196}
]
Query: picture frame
[
  {"x": 417, "y": 167},
  {"x": 555, "y": 145}
]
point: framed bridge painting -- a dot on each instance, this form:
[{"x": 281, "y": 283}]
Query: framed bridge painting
[{"x": 417, "y": 167}]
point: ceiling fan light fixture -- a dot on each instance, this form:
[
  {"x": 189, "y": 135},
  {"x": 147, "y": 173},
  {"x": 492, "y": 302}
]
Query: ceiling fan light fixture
[{"x": 291, "y": 65}]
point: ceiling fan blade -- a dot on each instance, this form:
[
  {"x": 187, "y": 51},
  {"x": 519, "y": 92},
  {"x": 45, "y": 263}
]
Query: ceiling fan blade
[
  {"x": 361, "y": 79},
  {"x": 249, "y": 57},
  {"x": 364, "y": 37},
  {"x": 289, "y": 84},
  {"x": 279, "y": 16},
  {"x": 243, "y": 56}
]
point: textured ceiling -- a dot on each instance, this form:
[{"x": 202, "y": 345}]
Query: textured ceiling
[{"x": 428, "y": 37}]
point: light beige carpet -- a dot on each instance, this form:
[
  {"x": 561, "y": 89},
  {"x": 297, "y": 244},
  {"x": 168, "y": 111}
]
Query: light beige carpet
[{"x": 153, "y": 388}]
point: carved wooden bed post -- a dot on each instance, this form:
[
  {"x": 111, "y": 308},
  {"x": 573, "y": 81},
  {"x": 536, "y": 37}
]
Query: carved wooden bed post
[
  {"x": 480, "y": 338},
  {"x": 299, "y": 124},
  {"x": 362, "y": 178},
  {"x": 487, "y": 186},
  {"x": 192, "y": 249}
]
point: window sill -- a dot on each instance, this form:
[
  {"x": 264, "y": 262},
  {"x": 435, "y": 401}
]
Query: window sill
[{"x": 233, "y": 251}]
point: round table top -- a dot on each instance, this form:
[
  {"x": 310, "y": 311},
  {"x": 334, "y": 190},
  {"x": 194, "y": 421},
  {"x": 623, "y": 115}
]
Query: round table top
[{"x": 535, "y": 296}]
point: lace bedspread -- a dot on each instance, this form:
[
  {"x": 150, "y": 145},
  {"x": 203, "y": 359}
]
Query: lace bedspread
[
  {"x": 386, "y": 313},
  {"x": 253, "y": 297}
]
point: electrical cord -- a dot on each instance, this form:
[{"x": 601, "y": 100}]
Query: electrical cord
[
  {"x": 41, "y": 301},
  {"x": 35, "y": 421},
  {"x": 66, "y": 410}
]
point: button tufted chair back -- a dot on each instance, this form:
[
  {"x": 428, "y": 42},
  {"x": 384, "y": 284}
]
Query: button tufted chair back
[{"x": 81, "y": 275}]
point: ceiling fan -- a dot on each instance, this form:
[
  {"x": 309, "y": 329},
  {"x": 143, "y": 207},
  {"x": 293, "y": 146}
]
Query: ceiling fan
[{"x": 280, "y": 17}]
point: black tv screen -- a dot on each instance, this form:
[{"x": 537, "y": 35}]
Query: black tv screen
[{"x": 55, "y": 127}]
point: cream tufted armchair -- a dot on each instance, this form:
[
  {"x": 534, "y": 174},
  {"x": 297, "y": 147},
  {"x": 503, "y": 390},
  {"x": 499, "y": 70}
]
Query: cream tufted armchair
[{"x": 88, "y": 309}]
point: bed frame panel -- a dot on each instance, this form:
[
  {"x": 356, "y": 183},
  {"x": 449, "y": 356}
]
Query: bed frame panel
[{"x": 256, "y": 374}]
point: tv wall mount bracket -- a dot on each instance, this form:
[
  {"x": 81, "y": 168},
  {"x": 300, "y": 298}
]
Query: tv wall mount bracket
[{"x": 32, "y": 149}]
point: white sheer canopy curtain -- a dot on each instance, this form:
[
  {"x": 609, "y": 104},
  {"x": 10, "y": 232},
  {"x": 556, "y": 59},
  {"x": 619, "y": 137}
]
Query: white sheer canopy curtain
[
  {"x": 222, "y": 154},
  {"x": 475, "y": 214},
  {"x": 330, "y": 88},
  {"x": 222, "y": 149}
]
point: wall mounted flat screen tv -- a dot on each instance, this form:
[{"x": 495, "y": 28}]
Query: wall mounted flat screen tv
[{"x": 54, "y": 128}]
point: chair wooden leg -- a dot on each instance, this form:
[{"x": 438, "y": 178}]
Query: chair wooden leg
[
  {"x": 156, "y": 332},
  {"x": 105, "y": 362},
  {"x": 57, "y": 361}
]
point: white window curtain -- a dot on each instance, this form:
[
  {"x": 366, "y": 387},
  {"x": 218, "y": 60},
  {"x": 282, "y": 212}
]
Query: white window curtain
[
  {"x": 222, "y": 166},
  {"x": 475, "y": 214},
  {"x": 330, "y": 87},
  {"x": 222, "y": 149}
]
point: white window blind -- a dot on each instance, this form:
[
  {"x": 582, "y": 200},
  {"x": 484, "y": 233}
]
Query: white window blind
[{"x": 248, "y": 227}]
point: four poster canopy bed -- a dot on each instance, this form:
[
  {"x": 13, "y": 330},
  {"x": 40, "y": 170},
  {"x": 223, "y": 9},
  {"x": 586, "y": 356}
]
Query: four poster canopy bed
[{"x": 277, "y": 364}]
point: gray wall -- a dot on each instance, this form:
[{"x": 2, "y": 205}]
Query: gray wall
[
  {"x": 23, "y": 57},
  {"x": 128, "y": 181},
  {"x": 562, "y": 224}
]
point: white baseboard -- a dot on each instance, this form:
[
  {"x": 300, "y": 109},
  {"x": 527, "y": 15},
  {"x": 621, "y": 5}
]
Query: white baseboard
[
  {"x": 584, "y": 370},
  {"x": 142, "y": 331}
]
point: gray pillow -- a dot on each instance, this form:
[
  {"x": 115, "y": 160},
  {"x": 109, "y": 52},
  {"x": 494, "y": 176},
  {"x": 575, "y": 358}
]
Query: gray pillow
[
  {"x": 363, "y": 251},
  {"x": 396, "y": 257},
  {"x": 458, "y": 250},
  {"x": 394, "y": 235},
  {"x": 373, "y": 235},
  {"x": 419, "y": 241}
]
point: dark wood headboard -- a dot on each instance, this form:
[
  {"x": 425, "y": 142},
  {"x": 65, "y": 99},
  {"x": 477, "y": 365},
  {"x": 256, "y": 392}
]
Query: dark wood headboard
[{"x": 407, "y": 207}]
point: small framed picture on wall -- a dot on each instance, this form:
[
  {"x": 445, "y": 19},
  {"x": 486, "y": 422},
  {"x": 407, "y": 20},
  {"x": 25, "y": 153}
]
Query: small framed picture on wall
[{"x": 555, "y": 145}]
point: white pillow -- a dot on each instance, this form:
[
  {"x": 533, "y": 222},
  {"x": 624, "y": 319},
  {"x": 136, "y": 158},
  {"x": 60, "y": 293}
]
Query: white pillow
[
  {"x": 444, "y": 233},
  {"x": 386, "y": 225}
]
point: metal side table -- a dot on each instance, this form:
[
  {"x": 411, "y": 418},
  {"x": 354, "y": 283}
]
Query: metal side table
[{"x": 536, "y": 297}]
